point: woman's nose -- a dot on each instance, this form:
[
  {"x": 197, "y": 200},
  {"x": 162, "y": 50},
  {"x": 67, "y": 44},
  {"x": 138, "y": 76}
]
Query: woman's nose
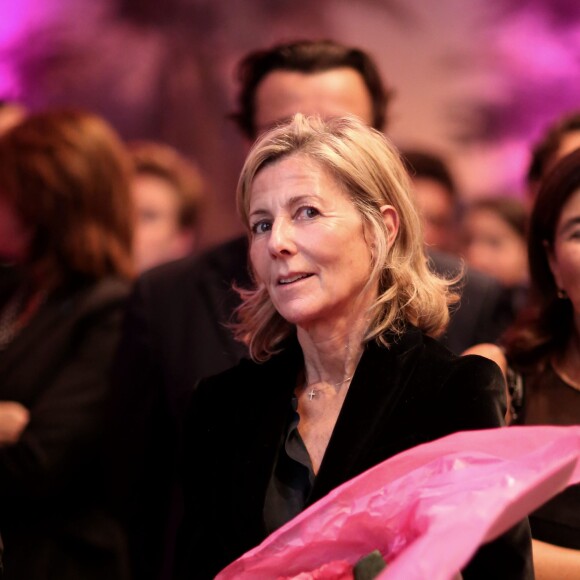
[{"x": 281, "y": 237}]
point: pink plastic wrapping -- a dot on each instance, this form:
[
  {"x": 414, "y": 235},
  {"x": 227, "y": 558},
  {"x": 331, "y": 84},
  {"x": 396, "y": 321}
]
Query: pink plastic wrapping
[{"x": 427, "y": 510}]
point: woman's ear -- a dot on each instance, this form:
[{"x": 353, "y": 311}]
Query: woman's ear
[{"x": 391, "y": 219}]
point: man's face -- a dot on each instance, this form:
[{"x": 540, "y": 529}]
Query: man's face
[{"x": 331, "y": 93}]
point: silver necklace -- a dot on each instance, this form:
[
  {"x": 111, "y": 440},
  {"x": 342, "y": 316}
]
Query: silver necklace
[{"x": 313, "y": 393}]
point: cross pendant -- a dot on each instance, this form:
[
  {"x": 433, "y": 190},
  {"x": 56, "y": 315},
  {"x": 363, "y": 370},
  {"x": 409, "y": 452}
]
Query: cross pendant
[{"x": 311, "y": 394}]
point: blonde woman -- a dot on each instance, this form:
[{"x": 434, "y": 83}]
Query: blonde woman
[{"x": 340, "y": 324}]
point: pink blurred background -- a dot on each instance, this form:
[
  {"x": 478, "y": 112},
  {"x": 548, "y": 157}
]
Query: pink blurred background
[{"x": 476, "y": 81}]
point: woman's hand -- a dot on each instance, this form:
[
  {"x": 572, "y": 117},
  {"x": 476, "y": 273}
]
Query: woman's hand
[
  {"x": 13, "y": 420},
  {"x": 554, "y": 562}
]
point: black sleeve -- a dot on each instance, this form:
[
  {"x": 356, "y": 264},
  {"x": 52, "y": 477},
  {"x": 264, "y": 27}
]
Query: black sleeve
[
  {"x": 477, "y": 400},
  {"x": 144, "y": 442},
  {"x": 474, "y": 395},
  {"x": 201, "y": 552},
  {"x": 66, "y": 418},
  {"x": 508, "y": 557}
]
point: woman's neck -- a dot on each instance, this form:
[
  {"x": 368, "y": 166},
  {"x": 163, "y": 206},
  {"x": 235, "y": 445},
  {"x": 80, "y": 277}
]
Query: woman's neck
[{"x": 330, "y": 359}]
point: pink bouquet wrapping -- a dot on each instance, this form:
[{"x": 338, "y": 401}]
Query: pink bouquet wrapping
[{"x": 427, "y": 510}]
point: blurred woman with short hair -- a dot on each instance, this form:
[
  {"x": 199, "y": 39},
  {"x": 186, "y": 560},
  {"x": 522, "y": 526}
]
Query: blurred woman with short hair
[{"x": 66, "y": 223}]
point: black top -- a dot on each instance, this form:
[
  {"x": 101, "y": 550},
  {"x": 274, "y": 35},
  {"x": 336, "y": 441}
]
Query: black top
[
  {"x": 292, "y": 478},
  {"x": 411, "y": 393},
  {"x": 548, "y": 400}
]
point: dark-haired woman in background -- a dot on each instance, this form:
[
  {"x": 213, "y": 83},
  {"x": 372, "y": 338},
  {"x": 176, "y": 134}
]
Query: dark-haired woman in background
[
  {"x": 65, "y": 244},
  {"x": 540, "y": 354}
]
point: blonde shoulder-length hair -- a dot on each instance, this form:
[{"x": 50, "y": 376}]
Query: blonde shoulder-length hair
[{"x": 369, "y": 169}]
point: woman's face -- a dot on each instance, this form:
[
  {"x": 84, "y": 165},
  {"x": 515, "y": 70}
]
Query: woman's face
[
  {"x": 564, "y": 256},
  {"x": 15, "y": 236},
  {"x": 493, "y": 246},
  {"x": 308, "y": 244}
]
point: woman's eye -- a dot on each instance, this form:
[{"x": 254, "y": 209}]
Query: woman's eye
[
  {"x": 261, "y": 227},
  {"x": 308, "y": 212}
]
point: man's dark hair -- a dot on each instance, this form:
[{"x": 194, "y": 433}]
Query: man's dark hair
[
  {"x": 429, "y": 166},
  {"x": 307, "y": 56}
]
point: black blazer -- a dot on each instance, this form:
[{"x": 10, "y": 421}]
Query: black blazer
[
  {"x": 175, "y": 333},
  {"x": 414, "y": 392},
  {"x": 56, "y": 520}
]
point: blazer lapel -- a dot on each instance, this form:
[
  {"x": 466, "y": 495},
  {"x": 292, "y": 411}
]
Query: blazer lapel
[
  {"x": 273, "y": 384},
  {"x": 379, "y": 383}
]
